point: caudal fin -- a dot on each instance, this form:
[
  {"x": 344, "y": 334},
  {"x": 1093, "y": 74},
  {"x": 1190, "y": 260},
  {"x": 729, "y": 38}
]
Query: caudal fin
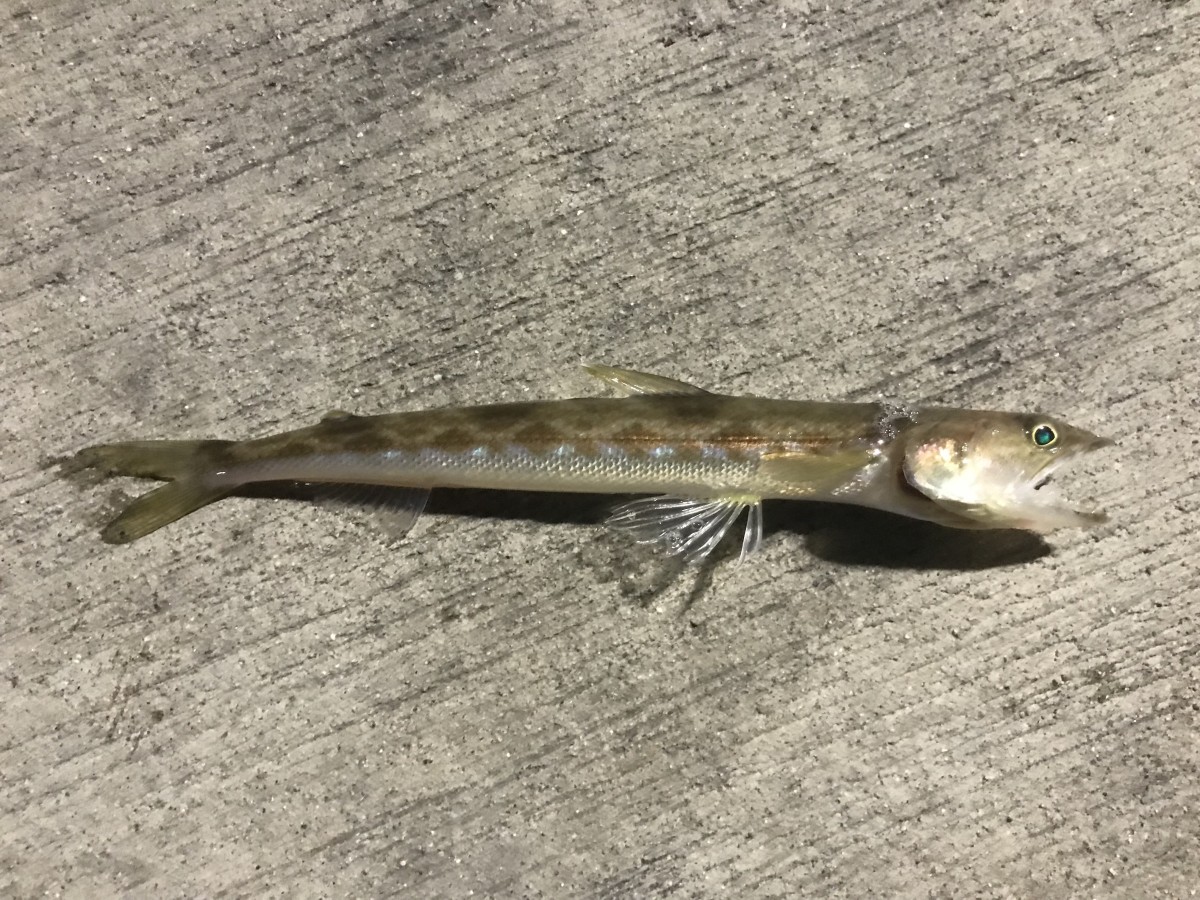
[{"x": 186, "y": 465}]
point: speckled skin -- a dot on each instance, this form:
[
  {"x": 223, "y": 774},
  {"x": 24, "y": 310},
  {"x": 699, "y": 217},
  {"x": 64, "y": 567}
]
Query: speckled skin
[
  {"x": 702, "y": 445},
  {"x": 960, "y": 468}
]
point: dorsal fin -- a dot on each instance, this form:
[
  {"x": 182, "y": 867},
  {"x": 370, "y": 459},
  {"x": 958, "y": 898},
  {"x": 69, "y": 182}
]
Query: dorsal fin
[{"x": 631, "y": 382}]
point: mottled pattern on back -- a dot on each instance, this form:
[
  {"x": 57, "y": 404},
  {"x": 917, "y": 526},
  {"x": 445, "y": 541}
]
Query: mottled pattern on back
[{"x": 687, "y": 422}]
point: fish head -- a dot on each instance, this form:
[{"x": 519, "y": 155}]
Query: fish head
[{"x": 994, "y": 469}]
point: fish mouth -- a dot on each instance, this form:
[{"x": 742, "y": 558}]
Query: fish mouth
[{"x": 1044, "y": 506}]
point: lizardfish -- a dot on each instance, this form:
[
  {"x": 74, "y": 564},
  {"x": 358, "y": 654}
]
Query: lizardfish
[{"x": 706, "y": 458}]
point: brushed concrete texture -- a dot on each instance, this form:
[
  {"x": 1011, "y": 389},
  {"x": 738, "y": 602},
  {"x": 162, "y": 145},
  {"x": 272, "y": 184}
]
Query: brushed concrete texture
[{"x": 223, "y": 219}]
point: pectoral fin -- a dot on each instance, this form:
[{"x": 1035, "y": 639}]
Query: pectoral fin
[
  {"x": 689, "y": 527},
  {"x": 631, "y": 382},
  {"x": 808, "y": 474}
]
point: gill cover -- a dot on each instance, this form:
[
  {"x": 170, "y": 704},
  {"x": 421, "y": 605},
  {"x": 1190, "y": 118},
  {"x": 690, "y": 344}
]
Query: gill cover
[{"x": 945, "y": 471}]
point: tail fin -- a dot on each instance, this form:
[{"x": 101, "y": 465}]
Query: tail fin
[{"x": 185, "y": 464}]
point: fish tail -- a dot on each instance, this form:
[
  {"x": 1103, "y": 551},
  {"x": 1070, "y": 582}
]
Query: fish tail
[
  {"x": 165, "y": 460},
  {"x": 185, "y": 465}
]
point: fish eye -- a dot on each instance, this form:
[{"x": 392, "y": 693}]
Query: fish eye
[{"x": 1044, "y": 435}]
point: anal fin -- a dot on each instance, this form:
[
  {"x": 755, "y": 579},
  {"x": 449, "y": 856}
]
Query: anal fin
[{"x": 393, "y": 510}]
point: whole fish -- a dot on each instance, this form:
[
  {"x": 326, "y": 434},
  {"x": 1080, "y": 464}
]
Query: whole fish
[{"x": 707, "y": 459}]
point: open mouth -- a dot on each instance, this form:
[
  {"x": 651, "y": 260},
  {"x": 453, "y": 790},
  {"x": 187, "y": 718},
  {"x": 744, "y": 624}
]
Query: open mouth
[{"x": 1045, "y": 507}]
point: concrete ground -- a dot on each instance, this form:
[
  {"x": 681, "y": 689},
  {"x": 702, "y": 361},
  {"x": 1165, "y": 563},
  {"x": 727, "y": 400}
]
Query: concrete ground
[{"x": 224, "y": 219}]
